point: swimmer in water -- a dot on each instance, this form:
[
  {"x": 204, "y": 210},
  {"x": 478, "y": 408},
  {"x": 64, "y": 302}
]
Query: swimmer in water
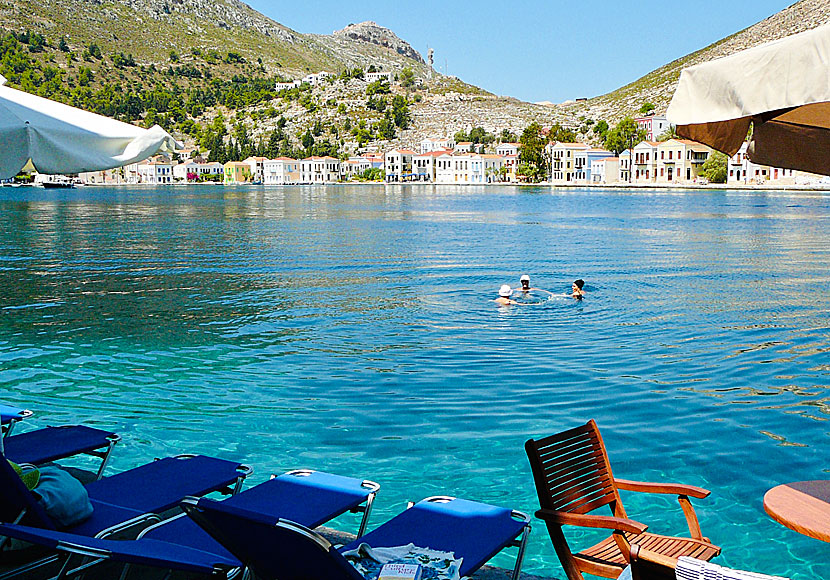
[
  {"x": 576, "y": 289},
  {"x": 525, "y": 282},
  {"x": 504, "y": 296}
]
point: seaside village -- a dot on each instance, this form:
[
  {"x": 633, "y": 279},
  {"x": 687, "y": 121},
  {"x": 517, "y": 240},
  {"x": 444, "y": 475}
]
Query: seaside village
[{"x": 440, "y": 160}]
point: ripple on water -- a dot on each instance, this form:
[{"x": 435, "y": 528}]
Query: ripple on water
[{"x": 352, "y": 329}]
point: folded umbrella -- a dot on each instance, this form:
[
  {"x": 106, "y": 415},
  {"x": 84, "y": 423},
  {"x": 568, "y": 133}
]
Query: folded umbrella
[
  {"x": 59, "y": 139},
  {"x": 781, "y": 88}
]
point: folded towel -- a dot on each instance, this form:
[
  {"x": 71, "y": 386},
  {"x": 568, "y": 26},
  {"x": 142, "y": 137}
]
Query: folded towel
[{"x": 693, "y": 569}]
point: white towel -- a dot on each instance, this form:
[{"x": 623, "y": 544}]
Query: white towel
[{"x": 693, "y": 569}]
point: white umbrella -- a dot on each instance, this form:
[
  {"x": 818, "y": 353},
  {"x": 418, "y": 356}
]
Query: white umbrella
[
  {"x": 782, "y": 88},
  {"x": 58, "y": 138}
]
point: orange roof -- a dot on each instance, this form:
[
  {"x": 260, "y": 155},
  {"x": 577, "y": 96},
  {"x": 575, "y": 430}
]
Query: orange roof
[
  {"x": 464, "y": 143},
  {"x": 283, "y": 159}
]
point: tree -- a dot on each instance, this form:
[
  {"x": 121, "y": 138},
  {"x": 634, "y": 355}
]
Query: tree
[
  {"x": 307, "y": 140},
  {"x": 670, "y": 133},
  {"x": 378, "y": 88},
  {"x": 532, "y": 153},
  {"x": 624, "y": 136},
  {"x": 715, "y": 167},
  {"x": 647, "y": 108},
  {"x": 407, "y": 77},
  {"x": 400, "y": 112},
  {"x": 600, "y": 129},
  {"x": 62, "y": 45},
  {"x": 386, "y": 128}
]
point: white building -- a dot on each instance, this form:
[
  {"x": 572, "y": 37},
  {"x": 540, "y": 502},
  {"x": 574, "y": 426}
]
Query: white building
[
  {"x": 398, "y": 164},
  {"x": 425, "y": 165},
  {"x": 507, "y": 149},
  {"x": 316, "y": 79},
  {"x": 287, "y": 86},
  {"x": 155, "y": 171},
  {"x": 568, "y": 161},
  {"x": 625, "y": 166},
  {"x": 644, "y": 164},
  {"x": 463, "y": 147},
  {"x": 741, "y": 170},
  {"x": 257, "y": 165},
  {"x": 185, "y": 168},
  {"x": 445, "y": 168},
  {"x": 431, "y": 144},
  {"x": 319, "y": 170},
  {"x": 604, "y": 171},
  {"x": 281, "y": 171},
  {"x": 372, "y": 77},
  {"x": 653, "y": 125}
]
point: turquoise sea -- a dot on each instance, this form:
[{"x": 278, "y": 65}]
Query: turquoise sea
[{"x": 352, "y": 329}]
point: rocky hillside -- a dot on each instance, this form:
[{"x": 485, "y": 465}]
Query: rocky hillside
[
  {"x": 185, "y": 47},
  {"x": 658, "y": 87}
]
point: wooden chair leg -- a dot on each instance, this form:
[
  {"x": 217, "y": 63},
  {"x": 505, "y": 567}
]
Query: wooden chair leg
[{"x": 560, "y": 544}]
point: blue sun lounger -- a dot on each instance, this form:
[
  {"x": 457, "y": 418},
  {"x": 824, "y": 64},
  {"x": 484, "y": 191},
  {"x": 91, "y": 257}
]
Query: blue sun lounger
[
  {"x": 52, "y": 443},
  {"x": 280, "y": 549},
  {"x": 179, "y": 544},
  {"x": 151, "y": 488}
]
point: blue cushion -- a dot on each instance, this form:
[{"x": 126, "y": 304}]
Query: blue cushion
[
  {"x": 8, "y": 413},
  {"x": 62, "y": 496},
  {"x": 53, "y": 443}
]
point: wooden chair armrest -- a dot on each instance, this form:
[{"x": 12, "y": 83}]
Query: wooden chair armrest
[
  {"x": 591, "y": 521},
  {"x": 670, "y": 488},
  {"x": 648, "y": 565}
]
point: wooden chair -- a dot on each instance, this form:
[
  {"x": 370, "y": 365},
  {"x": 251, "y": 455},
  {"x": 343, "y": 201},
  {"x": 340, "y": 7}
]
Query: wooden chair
[
  {"x": 573, "y": 477},
  {"x": 647, "y": 565}
]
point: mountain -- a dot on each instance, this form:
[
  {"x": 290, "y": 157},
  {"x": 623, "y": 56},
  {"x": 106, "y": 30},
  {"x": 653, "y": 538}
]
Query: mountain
[
  {"x": 183, "y": 63},
  {"x": 658, "y": 86}
]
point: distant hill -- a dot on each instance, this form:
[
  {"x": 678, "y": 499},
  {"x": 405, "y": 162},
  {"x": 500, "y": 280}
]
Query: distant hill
[
  {"x": 658, "y": 86},
  {"x": 190, "y": 64}
]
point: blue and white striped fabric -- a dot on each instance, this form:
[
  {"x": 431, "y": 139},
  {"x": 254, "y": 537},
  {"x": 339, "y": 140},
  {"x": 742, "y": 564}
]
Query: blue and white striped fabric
[{"x": 693, "y": 569}]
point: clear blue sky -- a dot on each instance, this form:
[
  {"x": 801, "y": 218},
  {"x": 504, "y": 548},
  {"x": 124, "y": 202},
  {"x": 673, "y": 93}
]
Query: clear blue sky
[{"x": 548, "y": 50}]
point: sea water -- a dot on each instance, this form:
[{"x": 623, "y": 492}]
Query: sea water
[{"x": 352, "y": 329}]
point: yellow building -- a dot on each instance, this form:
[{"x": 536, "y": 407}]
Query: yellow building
[{"x": 237, "y": 172}]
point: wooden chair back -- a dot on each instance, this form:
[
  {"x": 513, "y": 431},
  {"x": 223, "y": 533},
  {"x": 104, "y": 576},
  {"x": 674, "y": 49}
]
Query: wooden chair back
[{"x": 572, "y": 472}]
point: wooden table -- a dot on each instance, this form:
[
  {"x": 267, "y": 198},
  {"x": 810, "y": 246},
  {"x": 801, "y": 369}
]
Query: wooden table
[{"x": 803, "y": 506}]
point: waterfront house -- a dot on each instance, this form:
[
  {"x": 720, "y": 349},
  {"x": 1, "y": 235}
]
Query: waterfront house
[
  {"x": 431, "y": 144},
  {"x": 508, "y": 149},
  {"x": 155, "y": 171},
  {"x": 605, "y": 170},
  {"x": 281, "y": 171},
  {"x": 376, "y": 160},
  {"x": 257, "y": 165},
  {"x": 320, "y": 170},
  {"x": 425, "y": 165},
  {"x": 237, "y": 172},
  {"x": 625, "y": 166},
  {"x": 186, "y": 154},
  {"x": 568, "y": 161},
  {"x": 653, "y": 125},
  {"x": 463, "y": 147},
  {"x": 444, "y": 168},
  {"x": 492, "y": 167},
  {"x": 592, "y": 155},
  {"x": 741, "y": 170},
  {"x": 386, "y": 76},
  {"x": 680, "y": 160},
  {"x": 186, "y": 169},
  {"x": 398, "y": 164},
  {"x": 644, "y": 164}
]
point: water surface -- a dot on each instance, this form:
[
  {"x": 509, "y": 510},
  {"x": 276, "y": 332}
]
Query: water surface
[{"x": 352, "y": 329}]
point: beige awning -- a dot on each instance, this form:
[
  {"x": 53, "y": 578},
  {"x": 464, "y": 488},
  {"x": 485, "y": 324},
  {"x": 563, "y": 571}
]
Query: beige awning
[
  {"x": 782, "y": 88},
  {"x": 57, "y": 138}
]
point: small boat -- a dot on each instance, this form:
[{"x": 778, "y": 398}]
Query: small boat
[{"x": 58, "y": 184}]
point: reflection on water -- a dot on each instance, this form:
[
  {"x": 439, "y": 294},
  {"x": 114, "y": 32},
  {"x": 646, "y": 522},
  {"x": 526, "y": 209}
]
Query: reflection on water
[{"x": 352, "y": 329}]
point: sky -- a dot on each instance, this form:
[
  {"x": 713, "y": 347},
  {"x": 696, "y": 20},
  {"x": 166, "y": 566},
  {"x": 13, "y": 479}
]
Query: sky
[{"x": 538, "y": 51}]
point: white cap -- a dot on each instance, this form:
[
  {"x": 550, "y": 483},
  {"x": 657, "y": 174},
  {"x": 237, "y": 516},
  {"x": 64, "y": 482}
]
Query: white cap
[
  {"x": 505, "y": 291},
  {"x": 524, "y": 277}
]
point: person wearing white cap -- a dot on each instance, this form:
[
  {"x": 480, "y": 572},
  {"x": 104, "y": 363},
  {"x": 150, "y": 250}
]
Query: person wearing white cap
[
  {"x": 504, "y": 296},
  {"x": 525, "y": 282}
]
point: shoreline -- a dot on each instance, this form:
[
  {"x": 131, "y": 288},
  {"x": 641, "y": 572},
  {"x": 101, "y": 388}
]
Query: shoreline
[{"x": 822, "y": 188}]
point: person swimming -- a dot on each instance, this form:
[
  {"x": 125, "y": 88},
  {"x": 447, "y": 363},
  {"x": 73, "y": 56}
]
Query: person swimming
[
  {"x": 576, "y": 289},
  {"x": 525, "y": 282},
  {"x": 504, "y": 296}
]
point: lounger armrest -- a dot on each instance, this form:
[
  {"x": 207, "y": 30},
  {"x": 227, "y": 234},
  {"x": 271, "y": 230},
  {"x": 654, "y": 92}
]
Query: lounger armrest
[
  {"x": 669, "y": 488},
  {"x": 591, "y": 521}
]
